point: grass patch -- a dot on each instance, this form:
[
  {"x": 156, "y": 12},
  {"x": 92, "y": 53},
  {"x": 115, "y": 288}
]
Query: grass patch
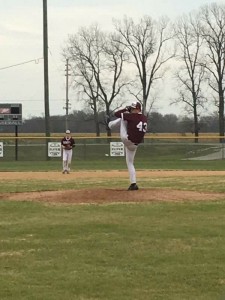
[
  {"x": 194, "y": 183},
  {"x": 146, "y": 161},
  {"x": 145, "y": 251}
]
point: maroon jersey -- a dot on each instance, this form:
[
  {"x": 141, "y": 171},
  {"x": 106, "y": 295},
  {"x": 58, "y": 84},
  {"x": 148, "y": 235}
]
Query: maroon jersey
[
  {"x": 136, "y": 125},
  {"x": 68, "y": 142}
]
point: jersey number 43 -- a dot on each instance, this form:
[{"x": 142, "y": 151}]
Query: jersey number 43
[{"x": 142, "y": 126}]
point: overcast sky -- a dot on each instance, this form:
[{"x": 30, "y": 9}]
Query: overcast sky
[{"x": 21, "y": 42}]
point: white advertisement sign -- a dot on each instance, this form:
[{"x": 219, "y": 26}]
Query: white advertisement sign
[
  {"x": 1, "y": 149},
  {"x": 116, "y": 149},
  {"x": 54, "y": 149}
]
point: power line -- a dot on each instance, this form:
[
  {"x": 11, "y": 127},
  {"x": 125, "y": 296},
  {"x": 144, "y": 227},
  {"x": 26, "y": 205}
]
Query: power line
[
  {"x": 29, "y": 100},
  {"x": 36, "y": 60}
]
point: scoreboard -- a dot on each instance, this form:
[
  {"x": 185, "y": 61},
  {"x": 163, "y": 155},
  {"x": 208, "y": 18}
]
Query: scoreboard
[{"x": 10, "y": 114}]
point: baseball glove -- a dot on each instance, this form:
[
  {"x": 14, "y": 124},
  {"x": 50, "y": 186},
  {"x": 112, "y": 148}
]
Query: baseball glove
[
  {"x": 67, "y": 147},
  {"x": 128, "y": 108}
]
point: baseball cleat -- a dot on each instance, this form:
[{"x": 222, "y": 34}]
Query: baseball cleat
[{"x": 133, "y": 187}]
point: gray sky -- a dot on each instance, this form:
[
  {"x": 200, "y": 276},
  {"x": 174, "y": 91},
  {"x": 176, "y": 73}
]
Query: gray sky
[{"x": 21, "y": 41}]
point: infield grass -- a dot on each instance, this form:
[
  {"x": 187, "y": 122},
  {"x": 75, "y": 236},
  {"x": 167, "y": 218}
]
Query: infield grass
[
  {"x": 118, "y": 251},
  {"x": 194, "y": 183}
]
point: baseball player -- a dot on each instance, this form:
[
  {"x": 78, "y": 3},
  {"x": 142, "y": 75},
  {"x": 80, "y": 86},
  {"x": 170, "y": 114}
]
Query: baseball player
[
  {"x": 133, "y": 126},
  {"x": 68, "y": 144}
]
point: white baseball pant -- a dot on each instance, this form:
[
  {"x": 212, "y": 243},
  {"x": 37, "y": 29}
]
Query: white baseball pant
[
  {"x": 130, "y": 148},
  {"x": 67, "y": 158}
]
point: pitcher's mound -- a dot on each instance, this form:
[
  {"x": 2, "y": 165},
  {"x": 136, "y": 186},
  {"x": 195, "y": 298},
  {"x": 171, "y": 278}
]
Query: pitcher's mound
[{"x": 111, "y": 195}]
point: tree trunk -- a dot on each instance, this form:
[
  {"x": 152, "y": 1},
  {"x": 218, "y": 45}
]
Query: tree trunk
[
  {"x": 196, "y": 125},
  {"x": 107, "y": 128},
  {"x": 97, "y": 128}
]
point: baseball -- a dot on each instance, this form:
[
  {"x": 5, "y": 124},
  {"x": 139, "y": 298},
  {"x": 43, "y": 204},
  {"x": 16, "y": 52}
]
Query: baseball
[{"x": 106, "y": 154}]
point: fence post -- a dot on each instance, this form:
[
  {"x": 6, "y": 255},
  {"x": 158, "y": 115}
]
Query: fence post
[
  {"x": 222, "y": 149},
  {"x": 16, "y": 142}
]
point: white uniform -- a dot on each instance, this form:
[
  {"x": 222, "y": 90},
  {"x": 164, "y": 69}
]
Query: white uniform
[
  {"x": 130, "y": 148},
  {"x": 67, "y": 145}
]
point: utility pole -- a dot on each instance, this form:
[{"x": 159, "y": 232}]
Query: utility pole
[
  {"x": 67, "y": 92},
  {"x": 46, "y": 84}
]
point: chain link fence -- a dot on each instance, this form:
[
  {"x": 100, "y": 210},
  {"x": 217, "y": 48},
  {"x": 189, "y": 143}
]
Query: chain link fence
[{"x": 35, "y": 149}]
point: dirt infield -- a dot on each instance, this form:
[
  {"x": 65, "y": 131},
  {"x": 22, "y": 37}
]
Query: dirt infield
[{"x": 94, "y": 195}]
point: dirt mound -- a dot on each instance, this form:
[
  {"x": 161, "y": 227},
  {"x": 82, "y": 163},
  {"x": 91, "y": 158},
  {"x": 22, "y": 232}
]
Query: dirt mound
[{"x": 100, "y": 196}]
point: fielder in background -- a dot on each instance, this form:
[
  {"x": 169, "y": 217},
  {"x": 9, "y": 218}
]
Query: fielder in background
[
  {"x": 68, "y": 144},
  {"x": 133, "y": 126}
]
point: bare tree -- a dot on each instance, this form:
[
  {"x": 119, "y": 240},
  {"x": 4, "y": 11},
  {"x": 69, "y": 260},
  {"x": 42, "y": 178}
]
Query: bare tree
[
  {"x": 90, "y": 91},
  {"x": 212, "y": 19},
  {"x": 190, "y": 74},
  {"x": 146, "y": 42},
  {"x": 79, "y": 51},
  {"x": 97, "y": 59},
  {"x": 111, "y": 82}
]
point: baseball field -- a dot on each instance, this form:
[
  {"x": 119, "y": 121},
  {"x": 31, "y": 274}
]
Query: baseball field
[{"x": 83, "y": 236}]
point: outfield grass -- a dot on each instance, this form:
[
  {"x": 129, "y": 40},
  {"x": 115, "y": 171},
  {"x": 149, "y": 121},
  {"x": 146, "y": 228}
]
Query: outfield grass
[{"x": 114, "y": 163}]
